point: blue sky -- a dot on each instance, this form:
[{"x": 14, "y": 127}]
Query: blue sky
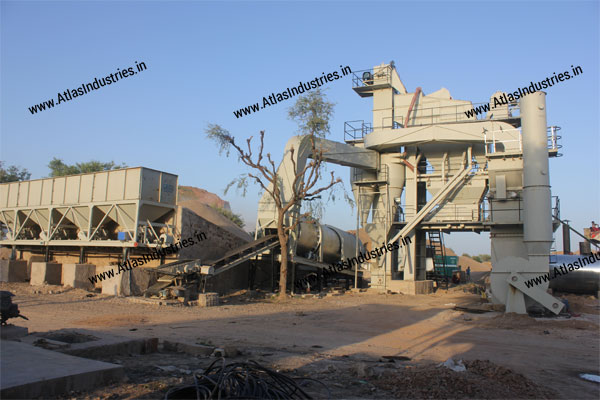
[{"x": 206, "y": 59}]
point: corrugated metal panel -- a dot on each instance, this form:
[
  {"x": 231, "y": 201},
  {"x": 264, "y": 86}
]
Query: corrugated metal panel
[{"x": 125, "y": 184}]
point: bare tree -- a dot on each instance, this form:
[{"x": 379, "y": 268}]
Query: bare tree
[
  {"x": 304, "y": 185},
  {"x": 312, "y": 112}
]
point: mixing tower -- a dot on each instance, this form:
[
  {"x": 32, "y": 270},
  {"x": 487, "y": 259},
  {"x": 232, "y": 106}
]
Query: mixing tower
[{"x": 424, "y": 165}]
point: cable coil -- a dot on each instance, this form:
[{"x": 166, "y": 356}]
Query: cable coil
[{"x": 241, "y": 380}]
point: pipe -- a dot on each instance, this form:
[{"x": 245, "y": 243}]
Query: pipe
[
  {"x": 566, "y": 235},
  {"x": 412, "y": 103},
  {"x": 356, "y": 245}
]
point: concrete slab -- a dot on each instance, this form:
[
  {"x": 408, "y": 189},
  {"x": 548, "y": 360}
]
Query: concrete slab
[
  {"x": 411, "y": 287},
  {"x": 86, "y": 343},
  {"x": 13, "y": 332},
  {"x": 45, "y": 272},
  {"x": 188, "y": 348},
  {"x": 126, "y": 283},
  {"x": 29, "y": 372},
  {"x": 13, "y": 271},
  {"x": 32, "y": 259},
  {"x": 47, "y": 344},
  {"x": 77, "y": 275},
  {"x": 113, "y": 346}
]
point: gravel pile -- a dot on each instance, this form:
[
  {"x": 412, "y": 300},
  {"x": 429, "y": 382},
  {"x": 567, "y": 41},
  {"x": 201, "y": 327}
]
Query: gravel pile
[{"x": 482, "y": 380}]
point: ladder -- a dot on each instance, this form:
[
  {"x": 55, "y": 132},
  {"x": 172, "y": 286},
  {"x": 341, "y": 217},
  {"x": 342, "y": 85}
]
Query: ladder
[{"x": 436, "y": 244}]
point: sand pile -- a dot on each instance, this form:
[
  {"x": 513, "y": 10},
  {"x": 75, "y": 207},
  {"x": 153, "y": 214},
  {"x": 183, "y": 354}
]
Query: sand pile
[{"x": 475, "y": 266}]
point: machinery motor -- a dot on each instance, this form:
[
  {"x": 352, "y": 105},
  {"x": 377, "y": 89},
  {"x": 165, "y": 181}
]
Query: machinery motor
[{"x": 8, "y": 309}]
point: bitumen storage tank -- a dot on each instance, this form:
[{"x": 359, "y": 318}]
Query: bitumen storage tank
[{"x": 584, "y": 280}]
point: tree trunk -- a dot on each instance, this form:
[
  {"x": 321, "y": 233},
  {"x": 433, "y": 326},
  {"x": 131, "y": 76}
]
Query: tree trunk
[
  {"x": 283, "y": 270},
  {"x": 283, "y": 241}
]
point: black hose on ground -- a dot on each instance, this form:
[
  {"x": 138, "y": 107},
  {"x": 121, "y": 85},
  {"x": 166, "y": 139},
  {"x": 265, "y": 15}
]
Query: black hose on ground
[{"x": 241, "y": 380}]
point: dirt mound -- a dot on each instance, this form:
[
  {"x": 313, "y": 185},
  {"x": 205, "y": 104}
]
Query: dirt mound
[
  {"x": 581, "y": 303},
  {"x": 190, "y": 193},
  {"x": 199, "y": 201},
  {"x": 109, "y": 320},
  {"x": 525, "y": 322},
  {"x": 482, "y": 380}
]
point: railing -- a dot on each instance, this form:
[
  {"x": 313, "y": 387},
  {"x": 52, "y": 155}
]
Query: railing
[
  {"x": 356, "y": 130},
  {"x": 439, "y": 115},
  {"x": 441, "y": 213},
  {"x": 369, "y": 77},
  {"x": 553, "y": 139},
  {"x": 494, "y": 145},
  {"x": 382, "y": 176},
  {"x": 450, "y": 113},
  {"x": 555, "y": 207},
  {"x": 497, "y": 211},
  {"x": 456, "y": 212}
]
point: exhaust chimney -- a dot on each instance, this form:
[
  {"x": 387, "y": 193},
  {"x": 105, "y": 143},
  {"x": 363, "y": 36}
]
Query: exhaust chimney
[
  {"x": 566, "y": 234},
  {"x": 585, "y": 248},
  {"x": 537, "y": 211}
]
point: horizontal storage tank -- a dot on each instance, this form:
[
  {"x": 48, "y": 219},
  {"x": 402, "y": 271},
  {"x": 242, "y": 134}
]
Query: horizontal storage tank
[
  {"x": 137, "y": 183},
  {"x": 585, "y": 280}
]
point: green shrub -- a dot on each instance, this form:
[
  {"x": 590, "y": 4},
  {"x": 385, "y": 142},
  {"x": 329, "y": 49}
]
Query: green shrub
[{"x": 235, "y": 218}]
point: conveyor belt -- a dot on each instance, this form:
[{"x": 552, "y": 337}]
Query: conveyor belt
[
  {"x": 169, "y": 273},
  {"x": 177, "y": 266},
  {"x": 244, "y": 253},
  {"x": 591, "y": 241}
]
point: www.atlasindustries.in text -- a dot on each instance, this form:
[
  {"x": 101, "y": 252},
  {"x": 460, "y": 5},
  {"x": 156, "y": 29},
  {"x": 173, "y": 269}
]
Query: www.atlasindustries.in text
[
  {"x": 85, "y": 88},
  {"x": 274, "y": 98}
]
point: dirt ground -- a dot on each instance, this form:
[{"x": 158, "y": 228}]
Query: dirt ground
[{"x": 361, "y": 345}]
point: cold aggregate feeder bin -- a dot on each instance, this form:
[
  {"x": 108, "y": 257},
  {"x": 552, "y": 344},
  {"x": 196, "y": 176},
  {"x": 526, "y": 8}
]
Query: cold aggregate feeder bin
[{"x": 120, "y": 208}]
